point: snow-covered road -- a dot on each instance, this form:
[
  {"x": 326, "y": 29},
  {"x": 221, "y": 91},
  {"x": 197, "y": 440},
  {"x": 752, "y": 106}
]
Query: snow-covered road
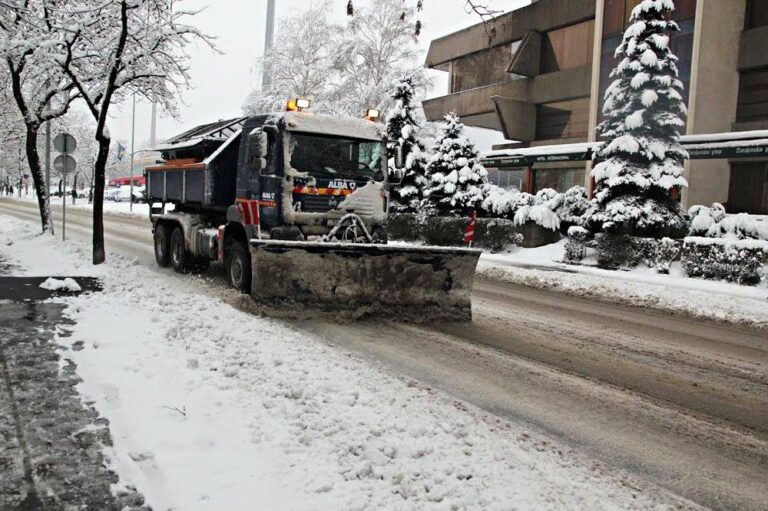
[{"x": 679, "y": 402}]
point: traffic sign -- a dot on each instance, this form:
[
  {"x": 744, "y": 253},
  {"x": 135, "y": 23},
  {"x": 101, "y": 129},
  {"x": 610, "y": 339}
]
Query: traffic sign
[
  {"x": 64, "y": 164},
  {"x": 65, "y": 143}
]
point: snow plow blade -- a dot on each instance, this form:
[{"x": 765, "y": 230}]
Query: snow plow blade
[{"x": 399, "y": 282}]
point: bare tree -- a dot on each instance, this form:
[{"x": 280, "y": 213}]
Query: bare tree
[
  {"x": 301, "y": 63},
  {"x": 377, "y": 51},
  {"x": 127, "y": 46},
  {"x": 484, "y": 11},
  {"x": 342, "y": 69}
]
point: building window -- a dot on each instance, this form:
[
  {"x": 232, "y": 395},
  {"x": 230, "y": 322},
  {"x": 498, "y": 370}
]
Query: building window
[
  {"x": 568, "y": 47},
  {"x": 509, "y": 178},
  {"x": 748, "y": 190},
  {"x": 483, "y": 68},
  {"x": 757, "y": 13},
  {"x": 681, "y": 44},
  {"x": 559, "y": 180},
  {"x": 564, "y": 119},
  {"x": 753, "y": 96},
  {"x": 617, "y": 13}
]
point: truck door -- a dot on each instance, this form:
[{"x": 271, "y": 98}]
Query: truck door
[{"x": 270, "y": 181}]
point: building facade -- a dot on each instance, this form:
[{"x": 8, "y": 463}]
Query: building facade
[{"x": 542, "y": 81}]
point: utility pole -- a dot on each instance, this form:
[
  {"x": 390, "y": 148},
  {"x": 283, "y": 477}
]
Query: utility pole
[
  {"x": 269, "y": 38},
  {"x": 133, "y": 148}
]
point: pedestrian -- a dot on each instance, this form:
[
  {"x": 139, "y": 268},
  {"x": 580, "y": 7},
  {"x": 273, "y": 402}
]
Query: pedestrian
[{"x": 74, "y": 196}]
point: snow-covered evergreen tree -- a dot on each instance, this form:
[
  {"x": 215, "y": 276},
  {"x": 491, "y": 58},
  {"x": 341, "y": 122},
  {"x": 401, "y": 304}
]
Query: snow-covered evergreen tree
[
  {"x": 456, "y": 178},
  {"x": 641, "y": 162},
  {"x": 403, "y": 125}
]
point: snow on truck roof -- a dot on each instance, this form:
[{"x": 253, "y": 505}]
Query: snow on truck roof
[
  {"x": 226, "y": 130},
  {"x": 350, "y": 127}
]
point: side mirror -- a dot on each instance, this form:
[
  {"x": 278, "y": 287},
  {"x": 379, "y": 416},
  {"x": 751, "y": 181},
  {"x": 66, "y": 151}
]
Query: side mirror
[{"x": 258, "y": 147}]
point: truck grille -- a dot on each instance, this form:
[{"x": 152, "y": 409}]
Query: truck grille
[{"x": 316, "y": 203}]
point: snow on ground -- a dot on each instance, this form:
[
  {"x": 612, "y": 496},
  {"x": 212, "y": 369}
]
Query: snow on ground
[
  {"x": 213, "y": 408},
  {"x": 111, "y": 207},
  {"x": 67, "y": 284},
  {"x": 541, "y": 267}
]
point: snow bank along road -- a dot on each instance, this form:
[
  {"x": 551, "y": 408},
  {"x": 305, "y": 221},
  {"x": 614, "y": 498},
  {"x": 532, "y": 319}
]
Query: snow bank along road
[{"x": 680, "y": 402}]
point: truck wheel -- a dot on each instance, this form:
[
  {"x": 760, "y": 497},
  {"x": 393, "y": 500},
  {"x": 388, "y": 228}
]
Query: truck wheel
[
  {"x": 162, "y": 245},
  {"x": 238, "y": 264},
  {"x": 180, "y": 258}
]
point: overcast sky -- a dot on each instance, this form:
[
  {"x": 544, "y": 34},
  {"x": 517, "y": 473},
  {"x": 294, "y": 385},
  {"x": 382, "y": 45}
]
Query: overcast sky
[{"x": 220, "y": 82}]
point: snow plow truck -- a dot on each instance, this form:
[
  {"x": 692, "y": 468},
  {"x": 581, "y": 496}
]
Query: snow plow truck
[{"x": 295, "y": 207}]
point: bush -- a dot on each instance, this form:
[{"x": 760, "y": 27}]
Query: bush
[
  {"x": 524, "y": 207},
  {"x": 572, "y": 207},
  {"x": 667, "y": 252},
  {"x": 494, "y": 234},
  {"x": 497, "y": 234},
  {"x": 713, "y": 222},
  {"x": 576, "y": 246},
  {"x": 443, "y": 231},
  {"x": 617, "y": 250},
  {"x": 401, "y": 226},
  {"x": 741, "y": 261}
]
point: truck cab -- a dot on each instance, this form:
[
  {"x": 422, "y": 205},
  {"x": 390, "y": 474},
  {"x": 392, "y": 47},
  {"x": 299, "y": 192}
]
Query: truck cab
[{"x": 307, "y": 171}]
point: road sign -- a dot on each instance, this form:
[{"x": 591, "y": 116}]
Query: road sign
[
  {"x": 64, "y": 164},
  {"x": 65, "y": 143}
]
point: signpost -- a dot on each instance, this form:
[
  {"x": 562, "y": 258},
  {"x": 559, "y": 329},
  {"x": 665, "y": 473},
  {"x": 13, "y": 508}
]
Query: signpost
[{"x": 65, "y": 144}]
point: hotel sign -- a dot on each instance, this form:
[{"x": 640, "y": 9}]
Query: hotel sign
[
  {"x": 527, "y": 160},
  {"x": 701, "y": 153},
  {"x": 753, "y": 151}
]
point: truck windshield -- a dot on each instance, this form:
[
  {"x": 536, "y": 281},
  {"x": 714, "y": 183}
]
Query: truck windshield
[{"x": 336, "y": 157}]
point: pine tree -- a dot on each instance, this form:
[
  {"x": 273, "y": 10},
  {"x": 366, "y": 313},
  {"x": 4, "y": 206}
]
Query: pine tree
[
  {"x": 641, "y": 162},
  {"x": 402, "y": 127},
  {"x": 456, "y": 177}
]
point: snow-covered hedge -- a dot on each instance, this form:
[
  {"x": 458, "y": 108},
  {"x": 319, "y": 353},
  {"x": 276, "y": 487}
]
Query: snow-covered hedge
[
  {"x": 494, "y": 234},
  {"x": 523, "y": 207},
  {"x": 713, "y": 222},
  {"x": 735, "y": 260}
]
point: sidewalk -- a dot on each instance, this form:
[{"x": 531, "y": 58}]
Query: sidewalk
[
  {"x": 51, "y": 442},
  {"x": 642, "y": 287}
]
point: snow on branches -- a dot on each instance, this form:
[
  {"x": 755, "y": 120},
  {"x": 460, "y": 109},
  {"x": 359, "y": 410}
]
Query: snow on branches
[
  {"x": 456, "y": 178},
  {"x": 344, "y": 70},
  {"x": 403, "y": 125},
  {"x": 641, "y": 163},
  {"x": 712, "y": 222}
]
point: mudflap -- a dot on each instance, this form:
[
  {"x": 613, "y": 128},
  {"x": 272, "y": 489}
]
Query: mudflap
[{"x": 408, "y": 283}]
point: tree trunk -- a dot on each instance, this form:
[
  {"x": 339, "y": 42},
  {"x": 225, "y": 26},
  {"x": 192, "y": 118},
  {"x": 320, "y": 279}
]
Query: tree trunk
[
  {"x": 99, "y": 171},
  {"x": 33, "y": 159}
]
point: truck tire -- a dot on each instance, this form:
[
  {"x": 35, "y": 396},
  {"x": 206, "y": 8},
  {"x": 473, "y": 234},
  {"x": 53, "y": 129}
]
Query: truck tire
[
  {"x": 181, "y": 259},
  {"x": 162, "y": 245},
  {"x": 238, "y": 265}
]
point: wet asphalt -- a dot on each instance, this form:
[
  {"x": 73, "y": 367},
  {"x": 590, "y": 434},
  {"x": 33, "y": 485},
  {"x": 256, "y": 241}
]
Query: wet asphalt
[{"x": 51, "y": 441}]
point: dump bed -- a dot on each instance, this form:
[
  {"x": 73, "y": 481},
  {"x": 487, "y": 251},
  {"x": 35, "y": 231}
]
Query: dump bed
[{"x": 199, "y": 167}]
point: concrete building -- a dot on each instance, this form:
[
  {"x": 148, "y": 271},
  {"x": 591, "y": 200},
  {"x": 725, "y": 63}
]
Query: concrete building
[{"x": 542, "y": 80}]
